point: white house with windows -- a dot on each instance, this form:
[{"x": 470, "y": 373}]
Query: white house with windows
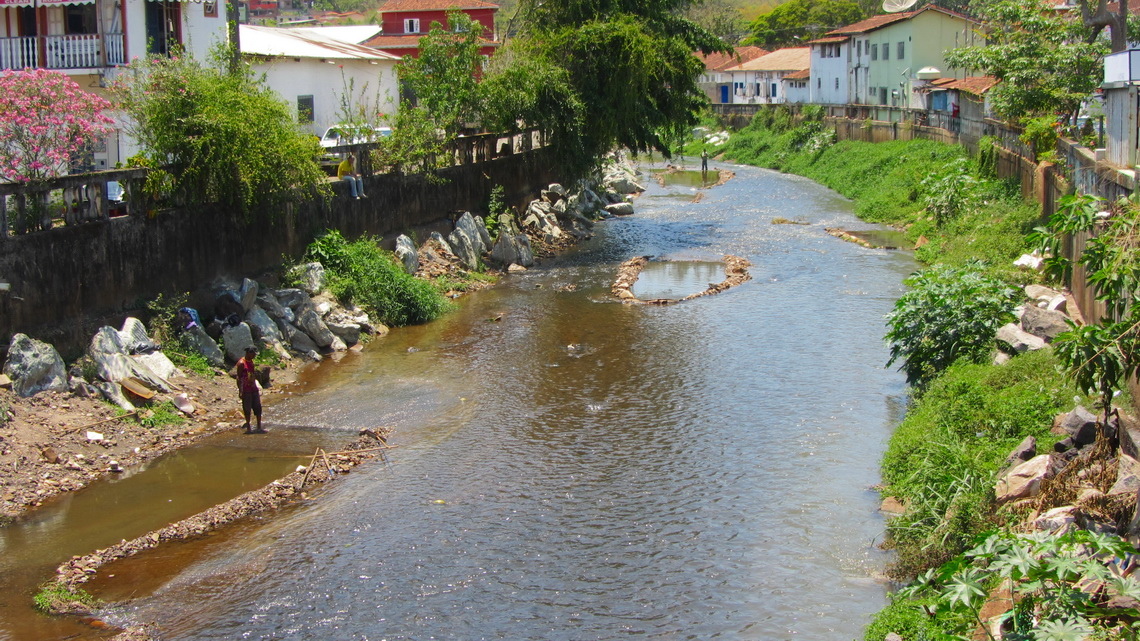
[
  {"x": 796, "y": 87},
  {"x": 828, "y": 83},
  {"x": 759, "y": 81},
  {"x": 715, "y": 81},
  {"x": 320, "y": 74},
  {"x": 92, "y": 40},
  {"x": 886, "y": 52}
]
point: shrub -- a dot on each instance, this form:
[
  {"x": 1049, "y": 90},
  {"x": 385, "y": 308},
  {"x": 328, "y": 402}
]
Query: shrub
[
  {"x": 942, "y": 459},
  {"x": 362, "y": 273},
  {"x": 947, "y": 193},
  {"x": 56, "y": 597},
  {"x": 950, "y": 313}
]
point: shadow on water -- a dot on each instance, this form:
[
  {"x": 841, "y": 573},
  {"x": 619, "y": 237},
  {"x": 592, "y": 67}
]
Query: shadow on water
[{"x": 165, "y": 490}]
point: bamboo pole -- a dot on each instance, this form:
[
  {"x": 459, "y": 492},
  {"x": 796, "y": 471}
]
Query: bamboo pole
[{"x": 106, "y": 420}]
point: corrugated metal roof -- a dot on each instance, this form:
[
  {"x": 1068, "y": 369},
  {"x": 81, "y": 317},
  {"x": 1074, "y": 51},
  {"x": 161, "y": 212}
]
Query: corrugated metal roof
[
  {"x": 976, "y": 85},
  {"x": 410, "y": 41},
  {"x": 790, "y": 59},
  {"x": 352, "y": 34},
  {"x": 301, "y": 43}
]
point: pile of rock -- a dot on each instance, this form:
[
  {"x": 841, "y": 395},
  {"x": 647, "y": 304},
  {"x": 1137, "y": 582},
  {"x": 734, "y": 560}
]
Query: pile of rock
[
  {"x": 558, "y": 217},
  {"x": 304, "y": 320},
  {"x": 1039, "y": 322}
]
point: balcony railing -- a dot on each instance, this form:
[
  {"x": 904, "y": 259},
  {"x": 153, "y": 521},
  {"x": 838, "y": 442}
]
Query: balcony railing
[{"x": 61, "y": 52}]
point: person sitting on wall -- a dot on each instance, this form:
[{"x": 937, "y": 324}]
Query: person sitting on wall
[{"x": 346, "y": 171}]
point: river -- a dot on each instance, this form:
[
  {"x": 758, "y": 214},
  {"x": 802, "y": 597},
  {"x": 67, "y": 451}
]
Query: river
[{"x": 570, "y": 467}]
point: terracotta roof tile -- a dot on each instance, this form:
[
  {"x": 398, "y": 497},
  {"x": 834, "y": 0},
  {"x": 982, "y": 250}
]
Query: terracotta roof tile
[
  {"x": 790, "y": 59},
  {"x": 434, "y": 5},
  {"x": 799, "y": 75},
  {"x": 824, "y": 41},
  {"x": 721, "y": 61},
  {"x": 880, "y": 21}
]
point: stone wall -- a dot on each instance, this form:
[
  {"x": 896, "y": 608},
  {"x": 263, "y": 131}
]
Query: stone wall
[{"x": 69, "y": 278}]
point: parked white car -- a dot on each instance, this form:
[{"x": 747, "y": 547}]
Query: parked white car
[{"x": 338, "y": 135}]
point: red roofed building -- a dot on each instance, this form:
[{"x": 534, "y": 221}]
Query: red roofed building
[
  {"x": 404, "y": 22},
  {"x": 717, "y": 84}
]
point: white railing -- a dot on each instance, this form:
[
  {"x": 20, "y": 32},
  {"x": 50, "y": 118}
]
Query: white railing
[
  {"x": 61, "y": 52},
  {"x": 19, "y": 53}
]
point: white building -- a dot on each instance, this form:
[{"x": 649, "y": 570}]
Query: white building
[
  {"x": 829, "y": 58},
  {"x": 759, "y": 80},
  {"x": 796, "y": 88},
  {"x": 92, "y": 40},
  {"x": 322, "y": 75}
]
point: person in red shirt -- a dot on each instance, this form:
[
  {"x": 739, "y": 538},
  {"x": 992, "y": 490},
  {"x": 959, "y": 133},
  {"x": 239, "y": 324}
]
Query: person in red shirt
[{"x": 248, "y": 389}]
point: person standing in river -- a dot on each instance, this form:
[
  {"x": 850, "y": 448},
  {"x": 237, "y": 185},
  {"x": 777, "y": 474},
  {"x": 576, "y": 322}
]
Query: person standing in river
[
  {"x": 704, "y": 160},
  {"x": 247, "y": 388}
]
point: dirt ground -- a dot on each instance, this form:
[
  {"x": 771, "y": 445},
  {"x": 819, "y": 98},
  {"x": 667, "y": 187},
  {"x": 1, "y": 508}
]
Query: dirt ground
[{"x": 56, "y": 442}]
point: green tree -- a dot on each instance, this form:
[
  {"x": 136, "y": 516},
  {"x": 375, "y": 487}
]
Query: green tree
[
  {"x": 444, "y": 77},
  {"x": 798, "y": 21},
  {"x": 719, "y": 17},
  {"x": 224, "y": 136},
  {"x": 1047, "y": 61},
  {"x": 626, "y": 66}
]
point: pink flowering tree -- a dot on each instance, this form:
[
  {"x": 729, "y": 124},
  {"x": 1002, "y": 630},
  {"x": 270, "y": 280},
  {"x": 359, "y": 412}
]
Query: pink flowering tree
[{"x": 45, "y": 120}]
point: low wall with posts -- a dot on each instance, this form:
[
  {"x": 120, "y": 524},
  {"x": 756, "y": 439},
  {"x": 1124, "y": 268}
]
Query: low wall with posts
[{"x": 89, "y": 267}]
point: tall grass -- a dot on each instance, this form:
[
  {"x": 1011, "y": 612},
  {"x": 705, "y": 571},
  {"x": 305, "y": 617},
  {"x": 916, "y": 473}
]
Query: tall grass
[{"x": 894, "y": 183}]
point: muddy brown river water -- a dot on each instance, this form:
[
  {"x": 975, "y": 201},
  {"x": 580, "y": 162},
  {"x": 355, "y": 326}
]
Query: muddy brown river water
[{"x": 577, "y": 469}]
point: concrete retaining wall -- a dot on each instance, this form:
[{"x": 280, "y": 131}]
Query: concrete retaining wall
[{"x": 67, "y": 281}]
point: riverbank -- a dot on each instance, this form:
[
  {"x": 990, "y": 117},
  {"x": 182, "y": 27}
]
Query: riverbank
[
  {"x": 47, "y": 434},
  {"x": 987, "y": 407}
]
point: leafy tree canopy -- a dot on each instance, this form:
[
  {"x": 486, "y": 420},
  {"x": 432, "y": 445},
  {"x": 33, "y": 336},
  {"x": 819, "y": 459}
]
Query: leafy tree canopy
[
  {"x": 225, "y": 137},
  {"x": 444, "y": 77},
  {"x": 798, "y": 21},
  {"x": 1044, "y": 59},
  {"x": 719, "y": 17},
  {"x": 624, "y": 70}
]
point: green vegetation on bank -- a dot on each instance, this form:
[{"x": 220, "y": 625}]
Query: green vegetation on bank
[
  {"x": 934, "y": 191},
  {"x": 967, "y": 413},
  {"x": 361, "y": 273}
]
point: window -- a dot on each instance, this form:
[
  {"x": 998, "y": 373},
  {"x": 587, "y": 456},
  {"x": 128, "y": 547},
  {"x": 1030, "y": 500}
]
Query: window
[
  {"x": 886, "y": 51},
  {"x": 837, "y": 83},
  {"x": 882, "y": 95},
  {"x": 902, "y": 51},
  {"x": 80, "y": 18},
  {"x": 411, "y": 25},
  {"x": 305, "y": 109},
  {"x": 818, "y": 83},
  {"x": 858, "y": 48},
  {"x": 874, "y": 52}
]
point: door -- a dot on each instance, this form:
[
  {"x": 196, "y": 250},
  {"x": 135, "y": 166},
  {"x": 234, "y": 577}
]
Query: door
[{"x": 724, "y": 94}]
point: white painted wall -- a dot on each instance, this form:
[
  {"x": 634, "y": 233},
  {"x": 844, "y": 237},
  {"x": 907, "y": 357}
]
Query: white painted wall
[
  {"x": 375, "y": 85},
  {"x": 829, "y": 83},
  {"x": 794, "y": 92}
]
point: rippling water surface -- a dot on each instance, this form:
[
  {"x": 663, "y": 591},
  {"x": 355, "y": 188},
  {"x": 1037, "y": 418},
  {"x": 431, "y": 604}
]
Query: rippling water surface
[{"x": 583, "y": 469}]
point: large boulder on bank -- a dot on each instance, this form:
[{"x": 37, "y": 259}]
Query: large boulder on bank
[
  {"x": 463, "y": 247},
  {"x": 514, "y": 249},
  {"x": 267, "y": 301},
  {"x": 247, "y": 295},
  {"x": 480, "y": 239},
  {"x": 1015, "y": 340},
  {"x": 349, "y": 333},
  {"x": 310, "y": 277},
  {"x": 1025, "y": 451},
  {"x": 262, "y": 326},
  {"x": 1024, "y": 480},
  {"x": 1040, "y": 292},
  {"x": 236, "y": 338},
  {"x": 1127, "y": 476},
  {"x": 1080, "y": 425},
  {"x": 311, "y": 323},
  {"x": 134, "y": 337},
  {"x": 114, "y": 364},
  {"x": 1044, "y": 323},
  {"x": 200, "y": 342},
  {"x": 406, "y": 252},
  {"x": 114, "y": 395},
  {"x": 438, "y": 237},
  {"x": 619, "y": 209},
  {"x": 34, "y": 366},
  {"x": 294, "y": 299}
]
